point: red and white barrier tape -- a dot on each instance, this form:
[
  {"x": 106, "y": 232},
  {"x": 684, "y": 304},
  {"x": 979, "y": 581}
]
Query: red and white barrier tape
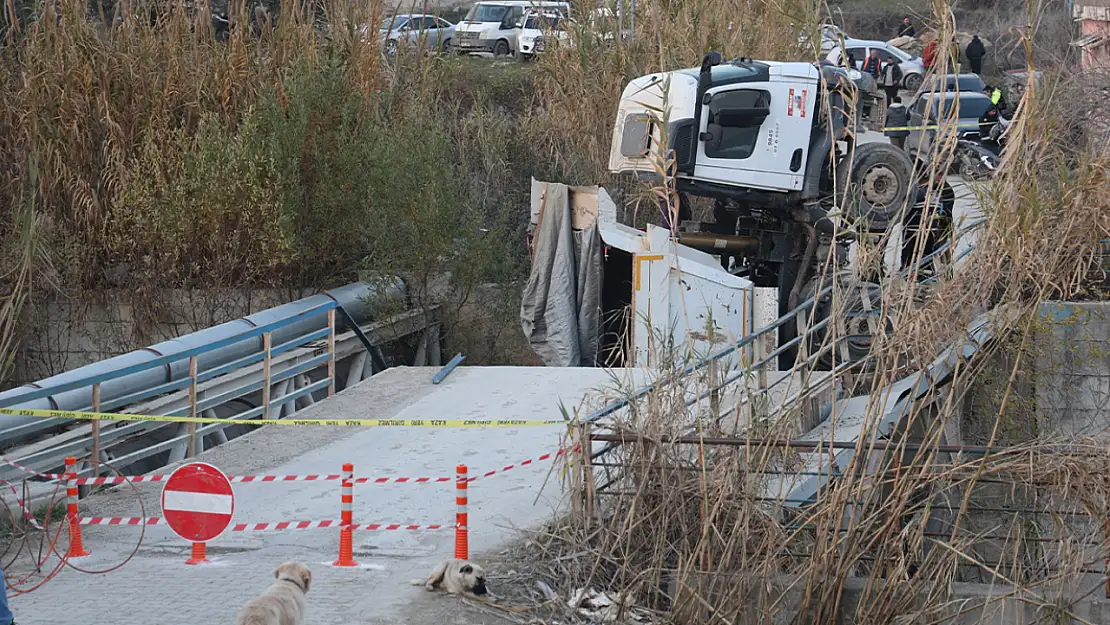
[
  {"x": 120, "y": 520},
  {"x": 248, "y": 479},
  {"x": 523, "y": 463},
  {"x": 402, "y": 480},
  {"x": 262, "y": 527}
]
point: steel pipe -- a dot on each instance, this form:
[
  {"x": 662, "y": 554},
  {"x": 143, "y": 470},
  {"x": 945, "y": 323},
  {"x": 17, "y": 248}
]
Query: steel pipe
[
  {"x": 705, "y": 242},
  {"x": 354, "y": 298}
]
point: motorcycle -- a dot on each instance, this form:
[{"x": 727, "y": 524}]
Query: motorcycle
[
  {"x": 976, "y": 162},
  {"x": 979, "y": 159}
]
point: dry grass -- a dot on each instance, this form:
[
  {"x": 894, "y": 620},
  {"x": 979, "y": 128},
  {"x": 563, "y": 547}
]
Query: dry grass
[
  {"x": 900, "y": 524},
  {"x": 93, "y": 106}
]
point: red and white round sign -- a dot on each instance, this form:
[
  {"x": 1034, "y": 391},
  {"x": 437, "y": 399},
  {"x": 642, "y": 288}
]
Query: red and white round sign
[{"x": 198, "y": 502}]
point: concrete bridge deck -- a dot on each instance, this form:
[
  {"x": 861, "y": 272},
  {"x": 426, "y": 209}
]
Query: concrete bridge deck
[{"x": 157, "y": 588}]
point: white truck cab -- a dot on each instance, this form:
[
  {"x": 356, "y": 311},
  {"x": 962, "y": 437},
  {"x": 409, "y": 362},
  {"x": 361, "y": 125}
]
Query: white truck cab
[
  {"x": 493, "y": 26},
  {"x": 761, "y": 135},
  {"x": 752, "y": 129}
]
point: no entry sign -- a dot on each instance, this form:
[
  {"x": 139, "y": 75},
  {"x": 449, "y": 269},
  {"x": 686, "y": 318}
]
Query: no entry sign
[{"x": 197, "y": 502}]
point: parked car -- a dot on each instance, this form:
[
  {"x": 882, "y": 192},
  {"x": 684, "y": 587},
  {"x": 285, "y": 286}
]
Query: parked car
[
  {"x": 492, "y": 26},
  {"x": 424, "y": 31},
  {"x": 931, "y": 108},
  {"x": 964, "y": 83},
  {"x": 830, "y": 35},
  {"x": 913, "y": 70},
  {"x": 537, "y": 29}
]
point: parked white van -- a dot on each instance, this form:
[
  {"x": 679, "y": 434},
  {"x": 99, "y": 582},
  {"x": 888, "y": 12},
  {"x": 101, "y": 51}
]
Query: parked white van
[{"x": 492, "y": 26}]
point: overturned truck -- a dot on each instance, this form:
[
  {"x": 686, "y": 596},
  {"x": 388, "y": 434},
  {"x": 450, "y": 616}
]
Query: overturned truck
[{"x": 771, "y": 146}]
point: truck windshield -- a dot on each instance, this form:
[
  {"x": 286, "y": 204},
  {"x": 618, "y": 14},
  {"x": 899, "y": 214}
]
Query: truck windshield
[{"x": 487, "y": 13}]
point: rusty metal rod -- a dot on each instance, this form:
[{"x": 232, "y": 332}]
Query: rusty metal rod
[
  {"x": 719, "y": 242},
  {"x": 815, "y": 445},
  {"x": 697, "y": 496}
]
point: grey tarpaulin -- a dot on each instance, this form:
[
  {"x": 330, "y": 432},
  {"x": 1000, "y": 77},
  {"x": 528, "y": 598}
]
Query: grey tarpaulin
[{"x": 560, "y": 311}]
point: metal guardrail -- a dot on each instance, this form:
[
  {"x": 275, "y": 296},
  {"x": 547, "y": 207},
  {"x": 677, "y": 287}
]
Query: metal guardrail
[
  {"x": 289, "y": 366},
  {"x": 748, "y": 342},
  {"x": 196, "y": 404}
]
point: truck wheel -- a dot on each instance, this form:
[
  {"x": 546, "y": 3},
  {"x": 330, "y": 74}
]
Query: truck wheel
[
  {"x": 501, "y": 49},
  {"x": 875, "y": 185}
]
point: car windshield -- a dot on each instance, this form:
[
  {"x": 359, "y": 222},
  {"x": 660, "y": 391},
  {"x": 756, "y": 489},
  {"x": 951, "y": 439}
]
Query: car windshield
[
  {"x": 898, "y": 53},
  {"x": 393, "y": 23},
  {"x": 487, "y": 13},
  {"x": 969, "y": 108},
  {"x": 540, "y": 22},
  {"x": 970, "y": 83}
]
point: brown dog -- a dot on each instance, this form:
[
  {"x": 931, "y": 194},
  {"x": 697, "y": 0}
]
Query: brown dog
[{"x": 283, "y": 602}]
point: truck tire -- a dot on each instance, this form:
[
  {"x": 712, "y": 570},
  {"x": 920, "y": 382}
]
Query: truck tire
[
  {"x": 501, "y": 48},
  {"x": 874, "y": 184},
  {"x": 912, "y": 82}
]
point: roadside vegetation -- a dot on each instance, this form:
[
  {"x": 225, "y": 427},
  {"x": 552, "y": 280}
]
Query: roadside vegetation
[
  {"x": 145, "y": 150},
  {"x": 152, "y": 154}
]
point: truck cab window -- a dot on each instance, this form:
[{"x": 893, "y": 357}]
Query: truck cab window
[{"x": 728, "y": 138}]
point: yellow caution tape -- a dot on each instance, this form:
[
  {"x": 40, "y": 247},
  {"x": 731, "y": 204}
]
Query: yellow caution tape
[
  {"x": 911, "y": 128},
  {"x": 420, "y": 423}
]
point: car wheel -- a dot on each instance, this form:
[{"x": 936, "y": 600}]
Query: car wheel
[
  {"x": 912, "y": 82},
  {"x": 391, "y": 47},
  {"x": 501, "y": 49},
  {"x": 446, "y": 47}
]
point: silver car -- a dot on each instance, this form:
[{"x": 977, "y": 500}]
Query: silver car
[
  {"x": 913, "y": 70},
  {"x": 424, "y": 31}
]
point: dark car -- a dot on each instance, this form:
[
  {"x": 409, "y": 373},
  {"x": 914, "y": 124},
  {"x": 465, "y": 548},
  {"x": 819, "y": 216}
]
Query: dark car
[
  {"x": 965, "y": 83},
  {"x": 931, "y": 108}
]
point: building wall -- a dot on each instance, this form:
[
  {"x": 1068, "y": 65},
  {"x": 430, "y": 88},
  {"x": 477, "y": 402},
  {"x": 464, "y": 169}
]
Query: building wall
[{"x": 1094, "y": 19}]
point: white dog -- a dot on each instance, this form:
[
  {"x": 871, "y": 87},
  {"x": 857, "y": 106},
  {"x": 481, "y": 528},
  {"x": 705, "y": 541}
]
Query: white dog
[
  {"x": 457, "y": 577},
  {"x": 283, "y": 601}
]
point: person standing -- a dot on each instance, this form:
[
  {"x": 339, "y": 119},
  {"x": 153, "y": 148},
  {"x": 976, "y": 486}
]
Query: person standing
[
  {"x": 934, "y": 224},
  {"x": 891, "y": 80},
  {"x": 6, "y": 617},
  {"x": 995, "y": 95},
  {"x": 873, "y": 65},
  {"x": 975, "y": 52},
  {"x": 929, "y": 55},
  {"x": 906, "y": 29},
  {"x": 897, "y": 119}
]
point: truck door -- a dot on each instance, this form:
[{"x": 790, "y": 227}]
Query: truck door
[{"x": 755, "y": 135}]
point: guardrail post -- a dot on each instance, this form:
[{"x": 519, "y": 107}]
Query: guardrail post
[
  {"x": 267, "y": 346},
  {"x": 96, "y": 431},
  {"x": 192, "y": 448},
  {"x": 76, "y": 545},
  {"x": 462, "y": 543},
  {"x": 346, "y": 514},
  {"x": 331, "y": 352}
]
